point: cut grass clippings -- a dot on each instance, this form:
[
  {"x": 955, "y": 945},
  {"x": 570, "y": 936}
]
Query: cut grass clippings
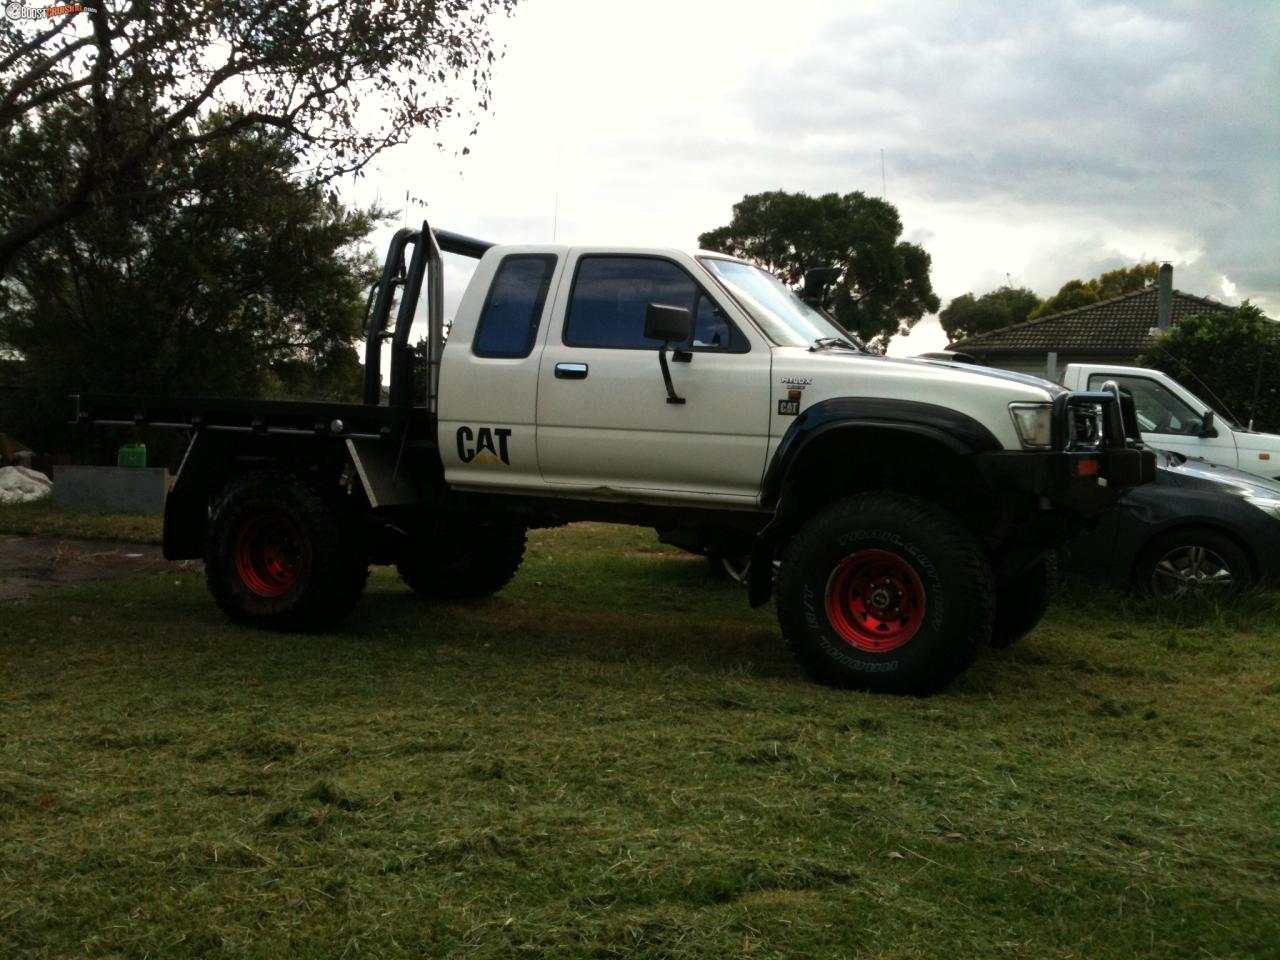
[{"x": 615, "y": 757}]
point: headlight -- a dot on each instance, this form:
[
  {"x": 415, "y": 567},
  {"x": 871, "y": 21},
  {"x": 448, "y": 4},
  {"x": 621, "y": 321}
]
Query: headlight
[
  {"x": 1034, "y": 423},
  {"x": 1269, "y": 505}
]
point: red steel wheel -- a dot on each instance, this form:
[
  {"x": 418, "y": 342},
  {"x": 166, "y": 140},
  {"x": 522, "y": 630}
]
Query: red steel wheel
[
  {"x": 875, "y": 600},
  {"x": 268, "y": 555}
]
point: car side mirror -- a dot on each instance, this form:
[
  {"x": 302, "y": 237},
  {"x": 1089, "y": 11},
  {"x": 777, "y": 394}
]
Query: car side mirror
[
  {"x": 668, "y": 324},
  {"x": 816, "y": 281},
  {"x": 1207, "y": 429}
]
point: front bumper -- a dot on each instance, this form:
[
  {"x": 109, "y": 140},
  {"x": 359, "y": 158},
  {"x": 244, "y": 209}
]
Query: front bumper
[
  {"x": 1082, "y": 477},
  {"x": 1084, "y": 483}
]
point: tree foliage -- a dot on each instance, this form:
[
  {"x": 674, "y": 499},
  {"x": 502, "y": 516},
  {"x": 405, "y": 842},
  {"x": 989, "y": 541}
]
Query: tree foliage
[
  {"x": 968, "y": 316},
  {"x": 243, "y": 283},
  {"x": 1114, "y": 283},
  {"x": 1232, "y": 356},
  {"x": 884, "y": 286},
  {"x": 135, "y": 85}
]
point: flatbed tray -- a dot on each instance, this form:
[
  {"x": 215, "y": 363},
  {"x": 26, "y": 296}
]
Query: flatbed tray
[{"x": 291, "y": 417}]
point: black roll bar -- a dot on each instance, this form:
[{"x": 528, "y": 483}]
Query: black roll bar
[{"x": 426, "y": 261}]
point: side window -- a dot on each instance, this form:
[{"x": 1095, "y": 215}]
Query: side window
[
  {"x": 1159, "y": 411},
  {"x": 711, "y": 328},
  {"x": 509, "y": 321},
  {"x": 611, "y": 295}
]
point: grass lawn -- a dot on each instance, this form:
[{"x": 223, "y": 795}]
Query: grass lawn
[
  {"x": 616, "y": 758},
  {"x": 42, "y": 518}
]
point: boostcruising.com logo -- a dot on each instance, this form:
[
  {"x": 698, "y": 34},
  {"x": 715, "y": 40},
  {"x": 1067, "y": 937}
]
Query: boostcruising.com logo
[{"x": 20, "y": 11}]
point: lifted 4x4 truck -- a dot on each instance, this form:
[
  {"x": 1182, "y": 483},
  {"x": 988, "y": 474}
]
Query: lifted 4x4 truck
[{"x": 911, "y": 504}]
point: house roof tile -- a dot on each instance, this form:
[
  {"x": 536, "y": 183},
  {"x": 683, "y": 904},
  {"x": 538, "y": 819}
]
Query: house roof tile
[{"x": 1120, "y": 324}]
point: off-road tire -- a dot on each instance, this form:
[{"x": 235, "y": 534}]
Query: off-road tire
[
  {"x": 908, "y": 560},
  {"x": 283, "y": 556},
  {"x": 1220, "y": 549},
  {"x": 1021, "y": 601},
  {"x": 464, "y": 561}
]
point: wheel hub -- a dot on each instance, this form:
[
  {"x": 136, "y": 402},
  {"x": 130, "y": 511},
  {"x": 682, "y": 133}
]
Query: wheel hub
[
  {"x": 875, "y": 600},
  {"x": 882, "y": 598},
  {"x": 1189, "y": 569},
  {"x": 268, "y": 555}
]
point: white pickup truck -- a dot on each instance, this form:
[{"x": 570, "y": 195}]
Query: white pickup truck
[
  {"x": 910, "y": 502},
  {"x": 1174, "y": 418}
]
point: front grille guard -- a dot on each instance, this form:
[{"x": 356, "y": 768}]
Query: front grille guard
[{"x": 1094, "y": 421}]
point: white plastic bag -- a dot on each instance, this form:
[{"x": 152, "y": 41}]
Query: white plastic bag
[{"x": 21, "y": 484}]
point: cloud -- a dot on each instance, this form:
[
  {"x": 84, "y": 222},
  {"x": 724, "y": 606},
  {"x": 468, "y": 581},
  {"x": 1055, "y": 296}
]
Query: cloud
[
  {"x": 1026, "y": 142},
  {"x": 1103, "y": 121}
]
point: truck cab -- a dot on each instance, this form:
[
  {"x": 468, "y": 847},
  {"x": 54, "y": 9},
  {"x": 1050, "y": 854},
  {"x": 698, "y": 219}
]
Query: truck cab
[
  {"x": 1173, "y": 418},
  {"x": 549, "y": 383}
]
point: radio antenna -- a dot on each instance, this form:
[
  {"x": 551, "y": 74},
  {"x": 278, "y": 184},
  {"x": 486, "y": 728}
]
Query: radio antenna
[{"x": 555, "y": 215}]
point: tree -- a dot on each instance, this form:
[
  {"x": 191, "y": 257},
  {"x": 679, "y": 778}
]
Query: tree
[
  {"x": 967, "y": 316},
  {"x": 243, "y": 284},
  {"x": 1232, "y": 356},
  {"x": 1114, "y": 283},
  {"x": 130, "y": 81},
  {"x": 884, "y": 287}
]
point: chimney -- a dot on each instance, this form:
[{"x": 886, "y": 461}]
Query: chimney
[{"x": 1164, "y": 298}]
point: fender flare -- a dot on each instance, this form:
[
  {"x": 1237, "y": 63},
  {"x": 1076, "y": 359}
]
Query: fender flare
[{"x": 957, "y": 432}]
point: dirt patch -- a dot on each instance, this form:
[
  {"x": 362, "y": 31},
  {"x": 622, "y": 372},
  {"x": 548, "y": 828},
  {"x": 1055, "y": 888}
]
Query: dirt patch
[{"x": 31, "y": 564}]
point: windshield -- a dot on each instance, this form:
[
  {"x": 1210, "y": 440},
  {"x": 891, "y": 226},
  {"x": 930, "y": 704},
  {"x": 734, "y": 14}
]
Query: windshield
[{"x": 784, "y": 317}]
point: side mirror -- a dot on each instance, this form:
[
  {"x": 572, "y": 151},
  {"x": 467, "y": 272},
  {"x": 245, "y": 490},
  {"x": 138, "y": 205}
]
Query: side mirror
[
  {"x": 816, "y": 281},
  {"x": 1207, "y": 430},
  {"x": 668, "y": 324}
]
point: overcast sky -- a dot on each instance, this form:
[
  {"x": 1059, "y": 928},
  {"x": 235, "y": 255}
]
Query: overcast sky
[{"x": 1027, "y": 141}]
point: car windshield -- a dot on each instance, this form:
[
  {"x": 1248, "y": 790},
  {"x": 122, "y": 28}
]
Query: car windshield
[{"x": 784, "y": 317}]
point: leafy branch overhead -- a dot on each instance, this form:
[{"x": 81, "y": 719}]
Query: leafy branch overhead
[
  {"x": 884, "y": 285},
  {"x": 249, "y": 285},
  {"x": 131, "y": 80}
]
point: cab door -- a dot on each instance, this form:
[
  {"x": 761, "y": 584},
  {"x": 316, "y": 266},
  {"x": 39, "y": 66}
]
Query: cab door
[
  {"x": 489, "y": 372},
  {"x": 1169, "y": 422},
  {"x": 604, "y": 421}
]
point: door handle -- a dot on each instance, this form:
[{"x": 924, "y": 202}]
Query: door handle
[{"x": 571, "y": 371}]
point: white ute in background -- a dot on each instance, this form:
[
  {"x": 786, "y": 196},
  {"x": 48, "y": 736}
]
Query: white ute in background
[{"x": 1174, "y": 418}]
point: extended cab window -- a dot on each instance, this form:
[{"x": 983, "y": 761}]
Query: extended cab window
[
  {"x": 611, "y": 295},
  {"x": 509, "y": 320},
  {"x": 1159, "y": 411}
]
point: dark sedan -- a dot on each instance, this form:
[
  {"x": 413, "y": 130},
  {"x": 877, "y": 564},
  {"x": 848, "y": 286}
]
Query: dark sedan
[{"x": 1199, "y": 526}]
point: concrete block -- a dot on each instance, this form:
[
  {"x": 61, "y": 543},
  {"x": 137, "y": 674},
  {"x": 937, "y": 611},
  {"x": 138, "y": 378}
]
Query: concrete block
[{"x": 111, "y": 489}]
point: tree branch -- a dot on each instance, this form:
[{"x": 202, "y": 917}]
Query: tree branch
[
  {"x": 35, "y": 73},
  {"x": 9, "y": 112},
  {"x": 35, "y": 43},
  {"x": 76, "y": 203}
]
